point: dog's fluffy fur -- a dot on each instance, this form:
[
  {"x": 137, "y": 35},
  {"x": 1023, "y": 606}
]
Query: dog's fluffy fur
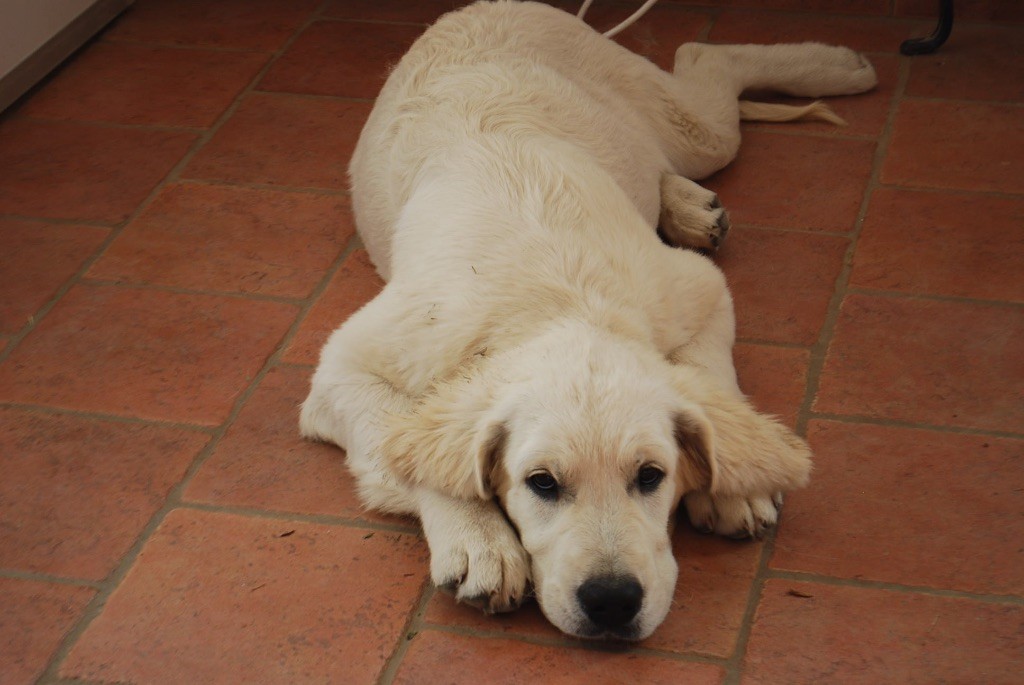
[{"x": 507, "y": 186}]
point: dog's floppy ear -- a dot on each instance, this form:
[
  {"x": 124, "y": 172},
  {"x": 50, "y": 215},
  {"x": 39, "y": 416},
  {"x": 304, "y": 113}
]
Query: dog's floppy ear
[
  {"x": 695, "y": 437},
  {"x": 749, "y": 452},
  {"x": 451, "y": 443}
]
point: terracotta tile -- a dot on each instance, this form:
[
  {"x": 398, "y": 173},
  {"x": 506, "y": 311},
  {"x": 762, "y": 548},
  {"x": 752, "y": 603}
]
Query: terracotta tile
[
  {"x": 957, "y": 145},
  {"x": 926, "y": 242},
  {"x": 977, "y": 63},
  {"x": 421, "y": 11},
  {"x": 527, "y": 621},
  {"x": 77, "y": 492},
  {"x": 853, "y": 635},
  {"x": 35, "y": 619},
  {"x": 349, "y": 59},
  {"x": 355, "y": 284},
  {"x": 773, "y": 377},
  {"x": 142, "y": 84},
  {"x": 37, "y": 259},
  {"x": 970, "y": 10},
  {"x": 657, "y": 35},
  {"x": 231, "y": 239},
  {"x": 454, "y": 659},
  {"x": 927, "y": 361},
  {"x": 145, "y": 353},
  {"x": 868, "y": 7},
  {"x": 864, "y": 34},
  {"x": 78, "y": 171},
  {"x": 715, "y": 575},
  {"x": 224, "y": 598},
  {"x": 781, "y": 282},
  {"x": 711, "y": 594},
  {"x": 247, "y": 24},
  {"x": 261, "y": 462},
  {"x": 880, "y": 494},
  {"x": 283, "y": 140},
  {"x": 794, "y": 181}
]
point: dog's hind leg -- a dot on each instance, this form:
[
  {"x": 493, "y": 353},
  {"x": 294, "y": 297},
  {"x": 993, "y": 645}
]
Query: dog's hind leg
[
  {"x": 698, "y": 112},
  {"x": 802, "y": 69}
]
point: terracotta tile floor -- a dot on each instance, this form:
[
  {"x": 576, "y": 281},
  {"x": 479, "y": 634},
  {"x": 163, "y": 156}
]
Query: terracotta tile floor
[{"x": 177, "y": 243}]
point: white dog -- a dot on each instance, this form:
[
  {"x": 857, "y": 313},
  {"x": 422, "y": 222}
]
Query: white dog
[{"x": 542, "y": 379}]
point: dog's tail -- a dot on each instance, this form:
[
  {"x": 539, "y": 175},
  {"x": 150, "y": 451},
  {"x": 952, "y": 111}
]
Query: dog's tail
[{"x": 766, "y": 111}]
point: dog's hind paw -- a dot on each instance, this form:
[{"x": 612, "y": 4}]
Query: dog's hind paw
[
  {"x": 691, "y": 216},
  {"x": 732, "y": 516}
]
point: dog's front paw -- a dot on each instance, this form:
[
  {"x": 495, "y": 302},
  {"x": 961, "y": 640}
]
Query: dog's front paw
[
  {"x": 483, "y": 565},
  {"x": 733, "y": 516}
]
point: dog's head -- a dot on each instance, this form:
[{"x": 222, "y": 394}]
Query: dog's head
[{"x": 589, "y": 452}]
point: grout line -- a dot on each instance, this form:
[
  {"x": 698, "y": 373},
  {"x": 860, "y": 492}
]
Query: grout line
[
  {"x": 112, "y": 418},
  {"x": 819, "y": 350},
  {"x": 809, "y": 13},
  {"x": 735, "y": 664},
  {"x": 306, "y": 190},
  {"x": 773, "y": 343},
  {"x": 902, "y": 295},
  {"x": 786, "y": 229},
  {"x": 315, "y": 96},
  {"x": 173, "y": 500},
  {"x": 48, "y": 578},
  {"x": 412, "y": 628},
  {"x": 803, "y": 132},
  {"x": 951, "y": 191},
  {"x": 230, "y": 110},
  {"x": 864, "y": 584},
  {"x": 911, "y": 425},
  {"x": 198, "y": 130},
  {"x": 816, "y": 363},
  {"x": 104, "y": 282},
  {"x": 195, "y": 47},
  {"x": 709, "y": 25},
  {"x": 47, "y": 307},
  {"x": 296, "y": 365},
  {"x": 59, "y": 221},
  {"x": 320, "y": 519},
  {"x": 568, "y": 642},
  {"x": 276, "y": 357},
  {"x": 416, "y": 620},
  {"x": 1015, "y": 104},
  {"x": 923, "y": 22},
  {"x": 389, "y": 22}
]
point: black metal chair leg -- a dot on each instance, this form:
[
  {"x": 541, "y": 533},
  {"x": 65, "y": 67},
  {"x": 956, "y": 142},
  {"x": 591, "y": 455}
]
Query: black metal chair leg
[{"x": 924, "y": 46}]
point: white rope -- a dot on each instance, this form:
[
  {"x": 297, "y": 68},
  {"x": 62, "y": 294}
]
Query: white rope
[{"x": 625, "y": 24}]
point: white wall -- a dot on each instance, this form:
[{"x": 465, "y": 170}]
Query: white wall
[{"x": 25, "y": 25}]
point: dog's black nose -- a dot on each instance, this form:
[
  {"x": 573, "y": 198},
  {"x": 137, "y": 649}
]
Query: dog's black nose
[{"x": 611, "y": 601}]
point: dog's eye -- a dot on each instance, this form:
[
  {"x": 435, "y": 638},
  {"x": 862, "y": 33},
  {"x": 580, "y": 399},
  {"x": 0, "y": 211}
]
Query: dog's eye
[
  {"x": 543, "y": 484},
  {"x": 649, "y": 478}
]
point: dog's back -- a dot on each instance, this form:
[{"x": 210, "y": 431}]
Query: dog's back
[{"x": 502, "y": 75}]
